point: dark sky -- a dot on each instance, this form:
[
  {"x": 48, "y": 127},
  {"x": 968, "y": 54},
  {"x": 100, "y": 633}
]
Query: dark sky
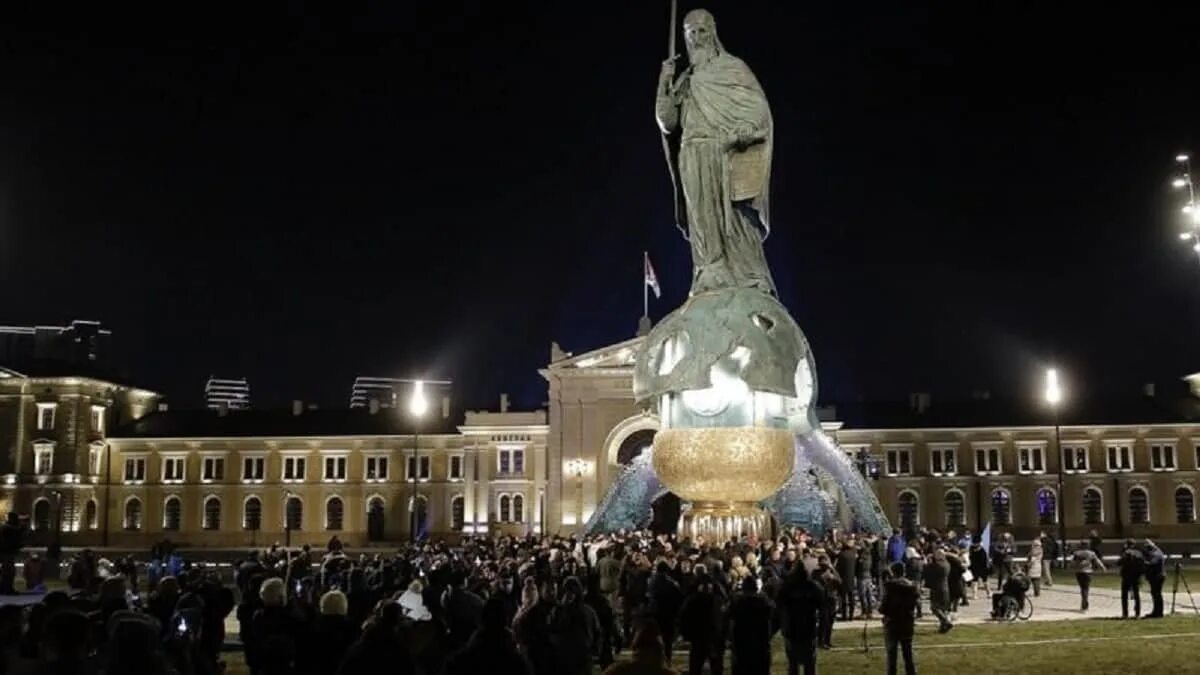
[{"x": 302, "y": 194}]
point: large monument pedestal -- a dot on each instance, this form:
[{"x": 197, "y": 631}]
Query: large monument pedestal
[{"x": 722, "y": 521}]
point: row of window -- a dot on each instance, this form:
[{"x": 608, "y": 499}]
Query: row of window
[
  {"x": 1046, "y": 503},
  {"x": 1030, "y": 460},
  {"x": 47, "y": 414},
  {"x": 295, "y": 469},
  {"x": 511, "y": 506}
]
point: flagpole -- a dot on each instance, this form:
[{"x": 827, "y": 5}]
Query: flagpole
[{"x": 645, "y": 286}]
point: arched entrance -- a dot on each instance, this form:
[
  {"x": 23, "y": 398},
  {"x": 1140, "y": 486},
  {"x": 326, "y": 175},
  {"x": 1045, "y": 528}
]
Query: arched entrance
[
  {"x": 666, "y": 511},
  {"x": 375, "y": 519},
  {"x": 634, "y": 445}
]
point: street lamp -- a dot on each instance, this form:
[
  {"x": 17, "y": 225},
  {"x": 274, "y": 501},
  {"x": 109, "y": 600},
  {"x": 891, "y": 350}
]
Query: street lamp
[
  {"x": 1054, "y": 397},
  {"x": 417, "y": 406},
  {"x": 578, "y": 467}
]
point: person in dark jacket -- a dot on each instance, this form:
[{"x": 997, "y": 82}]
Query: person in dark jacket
[
  {"x": 828, "y": 578},
  {"x": 1133, "y": 565},
  {"x": 331, "y": 637},
  {"x": 273, "y": 624},
  {"x": 574, "y": 630},
  {"x": 1156, "y": 575},
  {"x": 665, "y": 600},
  {"x": 491, "y": 649},
  {"x": 748, "y": 625},
  {"x": 382, "y": 647},
  {"x": 463, "y": 611},
  {"x": 979, "y": 568},
  {"x": 847, "y": 569},
  {"x": 609, "y": 639},
  {"x": 898, "y": 607},
  {"x": 937, "y": 580},
  {"x": 702, "y": 623},
  {"x": 798, "y": 610}
]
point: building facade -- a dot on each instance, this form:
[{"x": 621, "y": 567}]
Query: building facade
[
  {"x": 373, "y": 475},
  {"x": 55, "y": 466}
]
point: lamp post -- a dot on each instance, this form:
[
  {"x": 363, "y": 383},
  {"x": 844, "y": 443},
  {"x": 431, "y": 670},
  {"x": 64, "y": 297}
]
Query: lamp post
[
  {"x": 417, "y": 405},
  {"x": 1054, "y": 397},
  {"x": 287, "y": 518},
  {"x": 577, "y": 467},
  {"x": 1191, "y": 208}
]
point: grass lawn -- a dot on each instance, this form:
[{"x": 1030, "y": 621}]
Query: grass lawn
[{"x": 1093, "y": 646}]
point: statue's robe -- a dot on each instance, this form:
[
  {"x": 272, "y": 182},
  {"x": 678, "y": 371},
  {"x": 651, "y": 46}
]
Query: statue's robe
[{"x": 724, "y": 173}]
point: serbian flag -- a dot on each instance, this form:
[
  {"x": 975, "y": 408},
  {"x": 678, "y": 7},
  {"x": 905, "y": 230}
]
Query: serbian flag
[{"x": 651, "y": 277}]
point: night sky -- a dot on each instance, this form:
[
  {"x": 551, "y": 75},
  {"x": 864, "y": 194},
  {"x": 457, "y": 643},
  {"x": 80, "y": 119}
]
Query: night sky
[{"x": 961, "y": 194}]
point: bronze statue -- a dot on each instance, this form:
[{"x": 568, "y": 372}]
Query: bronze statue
[{"x": 724, "y": 159}]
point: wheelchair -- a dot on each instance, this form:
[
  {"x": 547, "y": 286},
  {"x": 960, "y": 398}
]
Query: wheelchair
[{"x": 1013, "y": 608}]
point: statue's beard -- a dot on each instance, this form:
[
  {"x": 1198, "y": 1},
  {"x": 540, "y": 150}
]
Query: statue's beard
[{"x": 699, "y": 55}]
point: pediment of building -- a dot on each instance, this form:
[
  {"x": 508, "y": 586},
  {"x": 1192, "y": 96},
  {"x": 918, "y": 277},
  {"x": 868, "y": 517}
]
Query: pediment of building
[{"x": 616, "y": 359}]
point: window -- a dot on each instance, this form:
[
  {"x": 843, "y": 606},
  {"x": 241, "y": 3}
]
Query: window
[
  {"x": 214, "y": 469},
  {"x": 335, "y": 468},
  {"x": 294, "y": 468},
  {"x": 512, "y": 460},
  {"x": 1031, "y": 459},
  {"x": 1185, "y": 506},
  {"x": 955, "y": 506},
  {"x": 899, "y": 462},
  {"x": 457, "y": 513},
  {"x": 253, "y": 469},
  {"x": 377, "y": 468},
  {"x": 505, "y": 508},
  {"x": 135, "y": 470},
  {"x": 1075, "y": 459},
  {"x": 293, "y": 513},
  {"x": 987, "y": 461},
  {"x": 252, "y": 514},
  {"x": 1162, "y": 457},
  {"x": 43, "y": 458},
  {"x": 333, "y": 513},
  {"x": 910, "y": 515},
  {"x": 412, "y": 468},
  {"x": 98, "y": 419},
  {"x": 942, "y": 462},
  {"x": 173, "y": 469},
  {"x": 456, "y": 467},
  {"x": 89, "y": 515},
  {"x": 1139, "y": 506},
  {"x": 45, "y": 416},
  {"x": 41, "y": 515},
  {"x": 212, "y": 513},
  {"x": 172, "y": 514},
  {"x": 95, "y": 454},
  {"x": 518, "y": 507},
  {"x": 133, "y": 514},
  {"x": 1119, "y": 458},
  {"x": 1093, "y": 506},
  {"x": 1047, "y": 507},
  {"x": 1001, "y": 507}
]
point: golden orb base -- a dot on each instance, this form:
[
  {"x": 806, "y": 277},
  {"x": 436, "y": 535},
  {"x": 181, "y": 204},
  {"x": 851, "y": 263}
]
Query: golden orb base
[
  {"x": 718, "y": 522},
  {"x": 724, "y": 464}
]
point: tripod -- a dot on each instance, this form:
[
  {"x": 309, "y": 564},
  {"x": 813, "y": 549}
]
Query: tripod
[{"x": 1187, "y": 589}]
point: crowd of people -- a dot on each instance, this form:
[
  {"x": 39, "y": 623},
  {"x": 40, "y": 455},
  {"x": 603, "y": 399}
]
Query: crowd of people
[{"x": 531, "y": 605}]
